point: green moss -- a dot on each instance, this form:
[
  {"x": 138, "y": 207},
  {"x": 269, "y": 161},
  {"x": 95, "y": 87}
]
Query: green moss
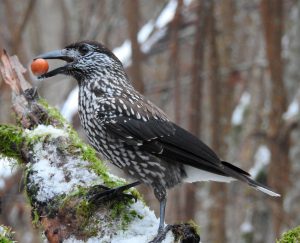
[
  {"x": 196, "y": 227},
  {"x": 291, "y": 236},
  {"x": 92, "y": 229},
  {"x": 83, "y": 208},
  {"x": 124, "y": 213},
  {"x": 96, "y": 165},
  {"x": 35, "y": 218},
  {"x": 119, "y": 209},
  {"x": 135, "y": 214},
  {"x": 116, "y": 209},
  {"x": 11, "y": 141},
  {"x": 84, "y": 211},
  {"x": 30, "y": 191},
  {"x": 6, "y": 235},
  {"x": 54, "y": 115}
]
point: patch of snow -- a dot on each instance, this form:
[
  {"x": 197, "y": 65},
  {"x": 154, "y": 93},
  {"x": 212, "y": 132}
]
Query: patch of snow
[
  {"x": 187, "y": 2},
  {"x": 147, "y": 45},
  {"x": 262, "y": 159},
  {"x": 57, "y": 174},
  {"x": 238, "y": 113},
  {"x": 145, "y": 31},
  {"x": 6, "y": 169},
  {"x": 145, "y": 39},
  {"x": 292, "y": 111},
  {"x": 115, "y": 178},
  {"x": 43, "y": 130},
  {"x": 70, "y": 107},
  {"x": 166, "y": 14},
  {"x": 123, "y": 52},
  {"x": 246, "y": 227},
  {"x": 138, "y": 231}
]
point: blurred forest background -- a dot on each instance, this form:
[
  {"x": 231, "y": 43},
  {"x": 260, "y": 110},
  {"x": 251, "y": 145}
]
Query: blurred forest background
[{"x": 226, "y": 70}]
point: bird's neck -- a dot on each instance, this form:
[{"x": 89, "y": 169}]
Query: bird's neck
[{"x": 106, "y": 86}]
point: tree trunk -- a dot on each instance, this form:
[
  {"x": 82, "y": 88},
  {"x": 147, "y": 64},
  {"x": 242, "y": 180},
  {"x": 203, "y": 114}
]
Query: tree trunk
[
  {"x": 272, "y": 19},
  {"x": 195, "y": 111},
  {"x": 132, "y": 15},
  {"x": 217, "y": 190},
  {"x": 174, "y": 58},
  {"x": 176, "y": 201}
]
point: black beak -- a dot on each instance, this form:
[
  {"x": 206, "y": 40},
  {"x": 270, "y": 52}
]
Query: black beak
[{"x": 57, "y": 54}]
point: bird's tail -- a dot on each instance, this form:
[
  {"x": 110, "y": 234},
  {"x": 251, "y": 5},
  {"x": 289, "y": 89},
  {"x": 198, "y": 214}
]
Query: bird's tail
[{"x": 244, "y": 176}]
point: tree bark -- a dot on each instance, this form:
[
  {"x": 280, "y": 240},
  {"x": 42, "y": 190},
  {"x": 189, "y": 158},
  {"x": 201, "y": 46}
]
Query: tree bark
[
  {"x": 272, "y": 19},
  {"x": 132, "y": 15},
  {"x": 176, "y": 202},
  {"x": 217, "y": 190},
  {"x": 195, "y": 111},
  {"x": 174, "y": 58}
]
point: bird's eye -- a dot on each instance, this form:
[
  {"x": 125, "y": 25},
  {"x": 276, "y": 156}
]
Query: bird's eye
[{"x": 83, "y": 49}]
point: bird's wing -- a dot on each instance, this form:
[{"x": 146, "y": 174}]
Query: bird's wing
[
  {"x": 137, "y": 123},
  {"x": 147, "y": 127}
]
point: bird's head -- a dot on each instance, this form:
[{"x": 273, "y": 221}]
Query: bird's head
[{"x": 85, "y": 60}]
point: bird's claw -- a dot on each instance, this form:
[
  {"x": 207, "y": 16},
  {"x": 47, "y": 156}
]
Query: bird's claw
[
  {"x": 161, "y": 235},
  {"x": 184, "y": 232},
  {"x": 101, "y": 193}
]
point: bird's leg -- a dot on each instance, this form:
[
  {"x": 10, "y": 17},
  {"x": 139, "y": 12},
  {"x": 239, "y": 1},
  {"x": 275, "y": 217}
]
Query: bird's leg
[
  {"x": 97, "y": 195},
  {"x": 162, "y": 209},
  {"x": 161, "y": 194}
]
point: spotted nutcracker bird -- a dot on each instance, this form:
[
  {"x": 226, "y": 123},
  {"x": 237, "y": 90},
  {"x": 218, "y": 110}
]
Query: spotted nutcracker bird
[{"x": 132, "y": 132}]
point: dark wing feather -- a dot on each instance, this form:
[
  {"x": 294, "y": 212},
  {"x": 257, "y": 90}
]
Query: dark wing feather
[
  {"x": 166, "y": 140},
  {"x": 142, "y": 127},
  {"x": 141, "y": 133},
  {"x": 188, "y": 149}
]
